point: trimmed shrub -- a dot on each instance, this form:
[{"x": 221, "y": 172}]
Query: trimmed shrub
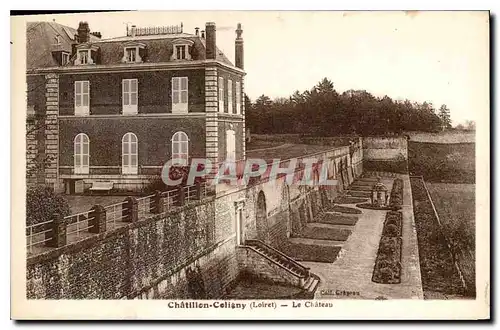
[
  {"x": 42, "y": 203},
  {"x": 396, "y": 200}
]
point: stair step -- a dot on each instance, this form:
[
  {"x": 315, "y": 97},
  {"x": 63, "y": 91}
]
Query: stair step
[{"x": 313, "y": 285}]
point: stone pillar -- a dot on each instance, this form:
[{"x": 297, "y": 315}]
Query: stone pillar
[
  {"x": 51, "y": 168},
  {"x": 58, "y": 233},
  {"x": 243, "y": 150},
  {"x": 97, "y": 222},
  {"x": 212, "y": 123},
  {"x": 130, "y": 210},
  {"x": 157, "y": 205}
]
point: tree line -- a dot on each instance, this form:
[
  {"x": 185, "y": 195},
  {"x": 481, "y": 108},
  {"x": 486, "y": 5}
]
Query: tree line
[{"x": 325, "y": 112}]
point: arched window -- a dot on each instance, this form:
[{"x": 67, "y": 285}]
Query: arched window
[
  {"x": 180, "y": 148},
  {"x": 230, "y": 146},
  {"x": 81, "y": 154},
  {"x": 129, "y": 154}
]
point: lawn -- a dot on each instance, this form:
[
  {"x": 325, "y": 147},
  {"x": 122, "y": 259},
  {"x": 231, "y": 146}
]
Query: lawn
[
  {"x": 440, "y": 162},
  {"x": 443, "y": 137},
  {"x": 333, "y": 234},
  {"x": 455, "y": 205},
  {"x": 308, "y": 252},
  {"x": 439, "y": 275}
]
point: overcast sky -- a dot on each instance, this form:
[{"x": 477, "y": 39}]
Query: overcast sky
[{"x": 440, "y": 57}]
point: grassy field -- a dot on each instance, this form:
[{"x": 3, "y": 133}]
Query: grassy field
[
  {"x": 440, "y": 278},
  {"x": 443, "y": 162},
  {"x": 455, "y": 205},
  {"x": 443, "y": 137}
]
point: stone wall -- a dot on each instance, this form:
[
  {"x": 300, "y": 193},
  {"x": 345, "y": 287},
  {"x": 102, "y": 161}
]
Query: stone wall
[
  {"x": 252, "y": 263},
  {"x": 385, "y": 154},
  {"x": 149, "y": 258}
]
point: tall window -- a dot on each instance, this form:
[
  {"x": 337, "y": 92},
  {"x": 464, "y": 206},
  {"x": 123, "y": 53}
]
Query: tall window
[
  {"x": 82, "y": 98},
  {"x": 180, "y": 148},
  {"x": 238, "y": 97},
  {"x": 180, "y": 52},
  {"x": 131, "y": 54},
  {"x": 83, "y": 56},
  {"x": 229, "y": 96},
  {"x": 129, "y": 154},
  {"x": 221, "y": 94},
  {"x": 64, "y": 58},
  {"x": 230, "y": 146},
  {"x": 81, "y": 154},
  {"x": 129, "y": 96},
  {"x": 179, "y": 95}
]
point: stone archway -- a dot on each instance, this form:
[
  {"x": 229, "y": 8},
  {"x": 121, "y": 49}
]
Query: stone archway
[{"x": 261, "y": 218}]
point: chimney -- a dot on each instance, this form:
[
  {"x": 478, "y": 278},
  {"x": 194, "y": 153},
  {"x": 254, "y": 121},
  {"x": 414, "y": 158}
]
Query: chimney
[
  {"x": 238, "y": 48},
  {"x": 211, "y": 41},
  {"x": 96, "y": 34},
  {"x": 203, "y": 34},
  {"x": 132, "y": 31},
  {"x": 83, "y": 32},
  {"x": 197, "y": 31}
]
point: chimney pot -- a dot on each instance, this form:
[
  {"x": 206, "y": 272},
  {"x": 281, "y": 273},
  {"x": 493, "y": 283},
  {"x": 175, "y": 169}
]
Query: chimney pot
[
  {"x": 83, "y": 32},
  {"x": 203, "y": 34},
  {"x": 238, "y": 48},
  {"x": 211, "y": 43},
  {"x": 132, "y": 31},
  {"x": 197, "y": 31}
]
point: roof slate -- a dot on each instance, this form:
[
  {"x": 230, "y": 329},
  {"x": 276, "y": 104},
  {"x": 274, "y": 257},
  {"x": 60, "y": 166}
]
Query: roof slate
[{"x": 41, "y": 41}]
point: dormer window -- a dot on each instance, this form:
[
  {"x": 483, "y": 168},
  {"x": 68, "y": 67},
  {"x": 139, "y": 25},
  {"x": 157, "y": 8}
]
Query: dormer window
[
  {"x": 64, "y": 58},
  {"x": 131, "y": 52},
  {"x": 86, "y": 54},
  {"x": 181, "y": 50}
]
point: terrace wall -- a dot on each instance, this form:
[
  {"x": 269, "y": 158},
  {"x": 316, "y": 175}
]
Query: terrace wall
[
  {"x": 151, "y": 258},
  {"x": 385, "y": 154}
]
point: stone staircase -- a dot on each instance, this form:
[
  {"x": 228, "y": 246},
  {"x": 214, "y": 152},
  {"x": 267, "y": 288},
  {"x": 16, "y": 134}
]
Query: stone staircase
[{"x": 299, "y": 274}]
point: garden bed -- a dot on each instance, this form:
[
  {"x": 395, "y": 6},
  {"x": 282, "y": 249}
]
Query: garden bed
[
  {"x": 437, "y": 267},
  {"x": 332, "y": 234},
  {"x": 309, "y": 252},
  {"x": 396, "y": 200},
  {"x": 342, "y": 209},
  {"x": 337, "y": 219},
  {"x": 365, "y": 194},
  {"x": 360, "y": 188},
  {"x": 387, "y": 269},
  {"x": 370, "y": 206},
  {"x": 349, "y": 200}
]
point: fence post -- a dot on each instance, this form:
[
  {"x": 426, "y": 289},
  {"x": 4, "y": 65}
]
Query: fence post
[
  {"x": 181, "y": 196},
  {"x": 98, "y": 219},
  {"x": 130, "y": 210},
  {"x": 157, "y": 204},
  {"x": 198, "y": 190},
  {"x": 58, "y": 234}
]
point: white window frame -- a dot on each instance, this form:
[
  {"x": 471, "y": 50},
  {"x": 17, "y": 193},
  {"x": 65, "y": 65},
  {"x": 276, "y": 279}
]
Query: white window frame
[
  {"x": 229, "y": 96},
  {"x": 230, "y": 146},
  {"x": 79, "y": 57},
  {"x": 129, "y": 140},
  {"x": 180, "y": 148},
  {"x": 128, "y": 96},
  {"x": 238, "y": 97},
  {"x": 78, "y": 154},
  {"x": 137, "y": 46},
  {"x": 134, "y": 51},
  {"x": 82, "y": 109},
  {"x": 180, "y": 93},
  {"x": 64, "y": 58},
  {"x": 221, "y": 94},
  {"x": 181, "y": 43}
]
